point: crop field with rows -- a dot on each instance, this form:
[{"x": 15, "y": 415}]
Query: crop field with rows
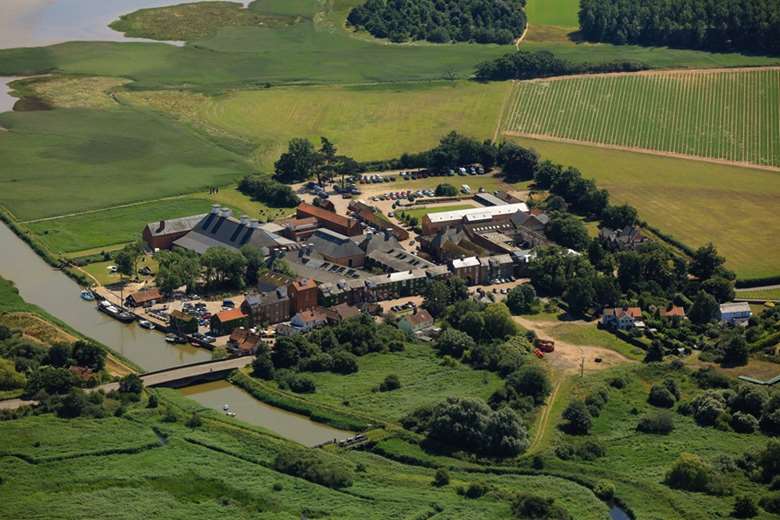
[{"x": 721, "y": 115}]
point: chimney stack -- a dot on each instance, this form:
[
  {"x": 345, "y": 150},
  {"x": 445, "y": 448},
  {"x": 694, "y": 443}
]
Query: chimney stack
[
  {"x": 161, "y": 226},
  {"x": 254, "y": 223},
  {"x": 225, "y": 212},
  {"x": 215, "y": 209},
  {"x": 244, "y": 220}
]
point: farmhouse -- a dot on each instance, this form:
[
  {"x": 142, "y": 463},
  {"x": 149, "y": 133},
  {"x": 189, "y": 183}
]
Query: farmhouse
[
  {"x": 622, "y": 318},
  {"x": 416, "y": 322},
  {"x": 735, "y": 313},
  {"x": 630, "y": 237},
  {"x": 672, "y": 312},
  {"x": 433, "y": 222}
]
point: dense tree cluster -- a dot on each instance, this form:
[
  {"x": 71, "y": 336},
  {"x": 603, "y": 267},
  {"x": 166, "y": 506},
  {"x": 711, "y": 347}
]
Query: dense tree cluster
[
  {"x": 441, "y": 21},
  {"x": 302, "y": 161},
  {"x": 471, "y": 425},
  {"x": 543, "y": 64},
  {"x": 268, "y": 191},
  {"x": 334, "y": 348},
  {"x": 715, "y": 25}
]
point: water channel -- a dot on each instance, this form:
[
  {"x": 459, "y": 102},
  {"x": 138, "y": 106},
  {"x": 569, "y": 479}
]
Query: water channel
[
  {"x": 248, "y": 409},
  {"x": 54, "y": 292}
]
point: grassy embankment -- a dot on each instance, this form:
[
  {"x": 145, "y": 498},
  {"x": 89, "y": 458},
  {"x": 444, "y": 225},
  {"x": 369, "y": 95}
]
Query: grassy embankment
[
  {"x": 680, "y": 197},
  {"x": 41, "y": 327}
]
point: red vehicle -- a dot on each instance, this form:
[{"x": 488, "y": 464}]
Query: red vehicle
[
  {"x": 538, "y": 353},
  {"x": 545, "y": 345}
]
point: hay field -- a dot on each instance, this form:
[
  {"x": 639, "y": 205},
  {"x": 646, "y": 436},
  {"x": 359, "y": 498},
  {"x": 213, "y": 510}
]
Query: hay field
[
  {"x": 721, "y": 115},
  {"x": 695, "y": 202},
  {"x": 369, "y": 122}
]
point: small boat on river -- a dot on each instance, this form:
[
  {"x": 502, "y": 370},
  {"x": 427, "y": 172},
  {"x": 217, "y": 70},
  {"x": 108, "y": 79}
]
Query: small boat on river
[
  {"x": 115, "y": 312},
  {"x": 146, "y": 324},
  {"x": 87, "y": 295},
  {"x": 175, "y": 339}
]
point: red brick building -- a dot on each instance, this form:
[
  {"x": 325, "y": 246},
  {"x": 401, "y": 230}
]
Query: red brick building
[
  {"x": 303, "y": 295},
  {"x": 330, "y": 220}
]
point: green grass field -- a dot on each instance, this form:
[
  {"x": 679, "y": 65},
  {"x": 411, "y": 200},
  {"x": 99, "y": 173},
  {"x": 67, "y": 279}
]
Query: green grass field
[
  {"x": 366, "y": 122},
  {"x": 732, "y": 116},
  {"x": 685, "y": 198},
  {"x": 562, "y": 13},
  {"x": 64, "y": 161},
  {"x": 424, "y": 380},
  {"x": 421, "y": 212},
  {"x": 766, "y": 294},
  {"x": 113, "y": 226}
]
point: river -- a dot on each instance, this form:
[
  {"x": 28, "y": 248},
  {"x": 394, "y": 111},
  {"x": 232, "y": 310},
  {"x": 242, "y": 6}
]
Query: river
[
  {"x": 54, "y": 292},
  {"x": 37, "y": 23},
  {"x": 248, "y": 409}
]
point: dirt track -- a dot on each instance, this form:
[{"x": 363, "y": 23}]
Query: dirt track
[
  {"x": 648, "y": 151},
  {"x": 570, "y": 358}
]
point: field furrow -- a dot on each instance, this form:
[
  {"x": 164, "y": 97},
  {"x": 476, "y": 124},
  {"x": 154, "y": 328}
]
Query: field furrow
[{"x": 719, "y": 115}]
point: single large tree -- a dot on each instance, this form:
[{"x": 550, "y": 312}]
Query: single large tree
[{"x": 298, "y": 163}]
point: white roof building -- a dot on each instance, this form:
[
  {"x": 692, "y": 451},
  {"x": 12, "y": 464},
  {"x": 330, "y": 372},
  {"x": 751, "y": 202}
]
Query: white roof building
[
  {"x": 461, "y": 263},
  {"x": 477, "y": 214}
]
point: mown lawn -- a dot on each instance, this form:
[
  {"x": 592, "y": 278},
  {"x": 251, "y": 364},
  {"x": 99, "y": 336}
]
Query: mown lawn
[
  {"x": 424, "y": 380},
  {"x": 680, "y": 197},
  {"x": 421, "y": 212},
  {"x": 113, "y": 226},
  {"x": 63, "y": 161}
]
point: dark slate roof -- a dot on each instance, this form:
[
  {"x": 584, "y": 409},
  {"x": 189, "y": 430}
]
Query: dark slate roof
[
  {"x": 215, "y": 230},
  {"x": 334, "y": 245},
  {"x": 399, "y": 259},
  {"x": 174, "y": 225},
  {"x": 381, "y": 241}
]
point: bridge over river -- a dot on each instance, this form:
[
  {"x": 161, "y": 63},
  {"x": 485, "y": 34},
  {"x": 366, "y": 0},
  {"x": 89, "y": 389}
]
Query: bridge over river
[{"x": 177, "y": 376}]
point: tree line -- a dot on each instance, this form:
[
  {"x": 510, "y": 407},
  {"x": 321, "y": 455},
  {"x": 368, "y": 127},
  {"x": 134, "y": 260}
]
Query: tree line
[
  {"x": 544, "y": 64},
  {"x": 441, "y": 21},
  {"x": 714, "y": 25}
]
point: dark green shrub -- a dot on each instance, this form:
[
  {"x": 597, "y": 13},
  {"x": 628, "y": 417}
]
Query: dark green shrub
[
  {"x": 441, "y": 477},
  {"x": 661, "y": 396},
  {"x": 475, "y": 490},
  {"x": 310, "y": 466},
  {"x": 194, "y": 421},
  {"x": 538, "y": 508},
  {"x": 744, "y": 507},
  {"x": 744, "y": 422},
  {"x": 659, "y": 423},
  {"x": 390, "y": 383}
]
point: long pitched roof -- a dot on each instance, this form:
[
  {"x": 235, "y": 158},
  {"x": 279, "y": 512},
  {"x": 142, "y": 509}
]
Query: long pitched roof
[
  {"x": 334, "y": 245},
  {"x": 174, "y": 225},
  {"x": 477, "y": 213},
  {"x": 220, "y": 230}
]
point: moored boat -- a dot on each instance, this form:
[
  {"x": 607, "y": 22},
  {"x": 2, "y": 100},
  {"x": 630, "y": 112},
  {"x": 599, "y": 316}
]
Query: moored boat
[{"x": 87, "y": 295}]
